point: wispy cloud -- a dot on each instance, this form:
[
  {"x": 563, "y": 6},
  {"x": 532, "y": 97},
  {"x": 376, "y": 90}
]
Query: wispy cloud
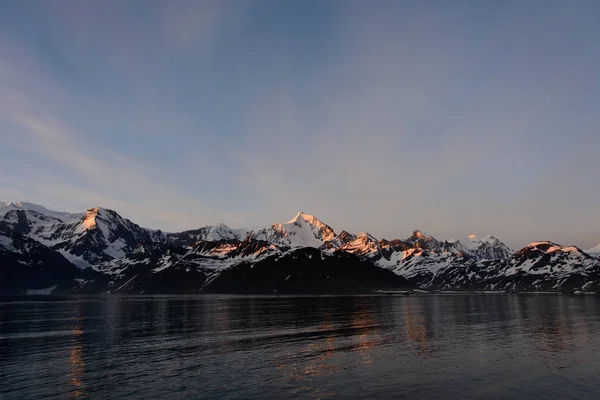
[
  {"x": 104, "y": 177},
  {"x": 401, "y": 135},
  {"x": 63, "y": 167},
  {"x": 386, "y": 117}
]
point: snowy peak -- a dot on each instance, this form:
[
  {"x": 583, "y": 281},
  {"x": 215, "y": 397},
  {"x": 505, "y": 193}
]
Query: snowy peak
[
  {"x": 99, "y": 235},
  {"x": 6, "y": 206},
  {"x": 89, "y": 220},
  {"x": 216, "y": 232},
  {"x": 10, "y": 205},
  {"x": 324, "y": 230},
  {"x": 420, "y": 239},
  {"x": 472, "y": 242},
  {"x": 488, "y": 248},
  {"x": 221, "y": 231},
  {"x": 418, "y": 234},
  {"x": 548, "y": 247},
  {"x": 303, "y": 217},
  {"x": 299, "y": 217},
  {"x": 107, "y": 221},
  {"x": 18, "y": 206},
  {"x": 304, "y": 230}
]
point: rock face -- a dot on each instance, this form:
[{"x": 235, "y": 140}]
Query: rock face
[
  {"x": 306, "y": 271},
  {"x": 26, "y": 264},
  {"x": 99, "y": 251}
]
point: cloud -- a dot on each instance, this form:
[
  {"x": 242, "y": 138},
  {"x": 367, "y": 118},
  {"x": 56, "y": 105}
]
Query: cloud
[
  {"x": 61, "y": 166},
  {"x": 384, "y": 118},
  {"x": 399, "y": 134},
  {"x": 104, "y": 177}
]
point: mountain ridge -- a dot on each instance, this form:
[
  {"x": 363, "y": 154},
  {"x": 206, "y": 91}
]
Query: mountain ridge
[{"x": 126, "y": 256}]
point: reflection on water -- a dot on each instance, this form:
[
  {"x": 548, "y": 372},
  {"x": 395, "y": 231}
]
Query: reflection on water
[
  {"x": 364, "y": 323},
  {"x": 415, "y": 326},
  {"x": 349, "y": 347},
  {"x": 77, "y": 365},
  {"x": 323, "y": 350},
  {"x": 77, "y": 370}
]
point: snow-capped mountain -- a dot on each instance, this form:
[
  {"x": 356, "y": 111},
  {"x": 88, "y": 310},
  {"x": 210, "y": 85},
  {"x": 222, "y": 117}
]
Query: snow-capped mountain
[
  {"x": 426, "y": 260},
  {"x": 32, "y": 220},
  {"x": 26, "y": 264},
  {"x": 101, "y": 235},
  {"x": 304, "y": 230},
  {"x": 125, "y": 257},
  {"x": 547, "y": 257},
  {"x": 547, "y": 266},
  {"x": 84, "y": 239},
  {"x": 423, "y": 260},
  {"x": 6, "y": 207},
  {"x": 421, "y": 240},
  {"x": 488, "y": 248}
]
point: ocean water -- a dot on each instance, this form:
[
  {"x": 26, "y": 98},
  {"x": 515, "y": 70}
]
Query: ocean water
[{"x": 430, "y": 346}]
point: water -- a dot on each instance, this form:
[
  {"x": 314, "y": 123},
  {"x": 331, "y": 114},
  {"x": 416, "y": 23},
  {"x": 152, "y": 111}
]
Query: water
[{"x": 436, "y": 346}]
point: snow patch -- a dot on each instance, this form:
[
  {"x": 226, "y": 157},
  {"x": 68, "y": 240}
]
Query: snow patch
[{"x": 38, "y": 292}]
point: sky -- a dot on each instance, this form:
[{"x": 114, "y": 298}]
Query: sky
[{"x": 464, "y": 117}]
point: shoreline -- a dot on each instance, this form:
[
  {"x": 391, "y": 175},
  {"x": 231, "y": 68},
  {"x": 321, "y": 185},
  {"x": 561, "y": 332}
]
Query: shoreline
[{"x": 404, "y": 293}]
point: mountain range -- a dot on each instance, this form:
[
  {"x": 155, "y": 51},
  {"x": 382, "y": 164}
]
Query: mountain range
[{"x": 99, "y": 251}]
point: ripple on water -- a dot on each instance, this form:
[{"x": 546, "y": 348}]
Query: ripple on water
[{"x": 351, "y": 347}]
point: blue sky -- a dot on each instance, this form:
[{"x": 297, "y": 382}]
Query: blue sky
[{"x": 386, "y": 116}]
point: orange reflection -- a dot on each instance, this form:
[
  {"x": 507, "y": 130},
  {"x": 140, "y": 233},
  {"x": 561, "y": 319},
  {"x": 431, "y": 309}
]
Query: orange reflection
[
  {"x": 363, "y": 321},
  {"x": 321, "y": 355},
  {"x": 415, "y": 328},
  {"x": 326, "y": 349},
  {"x": 314, "y": 360},
  {"x": 77, "y": 365}
]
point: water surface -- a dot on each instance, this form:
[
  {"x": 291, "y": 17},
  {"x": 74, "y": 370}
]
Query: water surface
[{"x": 434, "y": 346}]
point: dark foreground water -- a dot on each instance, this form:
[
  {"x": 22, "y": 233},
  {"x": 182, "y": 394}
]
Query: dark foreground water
[{"x": 453, "y": 346}]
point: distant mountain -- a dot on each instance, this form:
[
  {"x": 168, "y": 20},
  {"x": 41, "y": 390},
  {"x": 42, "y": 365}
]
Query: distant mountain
[
  {"x": 6, "y": 207},
  {"x": 84, "y": 239},
  {"x": 421, "y": 240},
  {"x": 41, "y": 248},
  {"x": 433, "y": 264},
  {"x": 547, "y": 266},
  {"x": 488, "y": 248},
  {"x": 304, "y": 230},
  {"x": 207, "y": 233}
]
